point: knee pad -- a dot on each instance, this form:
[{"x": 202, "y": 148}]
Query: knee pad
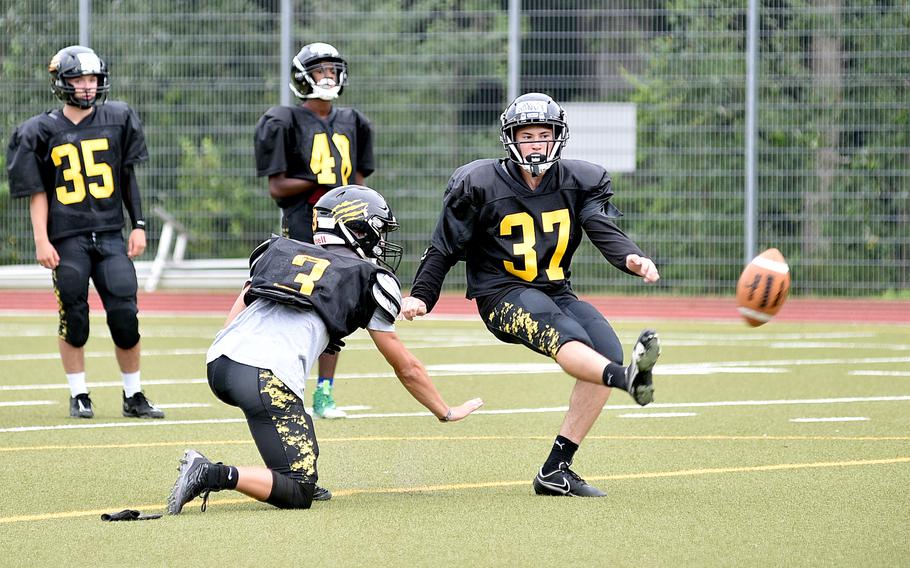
[
  {"x": 74, "y": 326},
  {"x": 116, "y": 279},
  {"x": 124, "y": 326},
  {"x": 289, "y": 494}
]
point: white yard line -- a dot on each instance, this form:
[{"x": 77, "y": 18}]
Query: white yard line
[
  {"x": 658, "y": 415},
  {"x": 880, "y": 373},
  {"x": 832, "y": 419},
  {"x": 682, "y": 405},
  {"x": 481, "y": 369}
]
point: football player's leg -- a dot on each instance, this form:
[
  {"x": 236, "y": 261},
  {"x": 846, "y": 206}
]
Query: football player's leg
[
  {"x": 324, "y": 394},
  {"x": 603, "y": 338},
  {"x": 253, "y": 391},
  {"x": 71, "y": 289},
  {"x": 555, "y": 476},
  {"x": 288, "y": 446},
  {"x": 636, "y": 377},
  {"x": 115, "y": 279},
  {"x": 531, "y": 318}
]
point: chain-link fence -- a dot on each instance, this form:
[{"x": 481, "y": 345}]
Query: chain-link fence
[{"x": 833, "y": 129}]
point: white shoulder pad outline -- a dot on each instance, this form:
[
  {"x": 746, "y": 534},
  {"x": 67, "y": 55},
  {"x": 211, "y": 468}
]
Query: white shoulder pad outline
[
  {"x": 259, "y": 250},
  {"x": 387, "y": 293}
]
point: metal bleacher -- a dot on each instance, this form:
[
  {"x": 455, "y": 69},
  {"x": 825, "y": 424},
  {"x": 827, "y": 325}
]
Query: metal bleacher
[{"x": 168, "y": 270}]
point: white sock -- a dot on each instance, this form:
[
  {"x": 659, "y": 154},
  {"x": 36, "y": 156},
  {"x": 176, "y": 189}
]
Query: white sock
[
  {"x": 131, "y": 384},
  {"x": 77, "y": 383}
]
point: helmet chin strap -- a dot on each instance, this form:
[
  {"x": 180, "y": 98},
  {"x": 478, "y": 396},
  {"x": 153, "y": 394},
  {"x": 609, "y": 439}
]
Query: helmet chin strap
[
  {"x": 353, "y": 244},
  {"x": 325, "y": 89},
  {"x": 535, "y": 161}
]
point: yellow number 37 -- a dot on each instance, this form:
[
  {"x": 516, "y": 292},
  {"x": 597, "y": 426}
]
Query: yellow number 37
[{"x": 557, "y": 221}]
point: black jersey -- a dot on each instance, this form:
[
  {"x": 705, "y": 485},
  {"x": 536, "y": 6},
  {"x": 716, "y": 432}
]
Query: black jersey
[
  {"x": 79, "y": 166},
  {"x": 296, "y": 141},
  {"x": 509, "y": 235},
  {"x": 344, "y": 290}
]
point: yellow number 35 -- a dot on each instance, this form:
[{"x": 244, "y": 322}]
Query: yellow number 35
[{"x": 75, "y": 174}]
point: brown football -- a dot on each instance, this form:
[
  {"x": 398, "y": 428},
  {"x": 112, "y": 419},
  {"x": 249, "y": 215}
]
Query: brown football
[{"x": 763, "y": 287}]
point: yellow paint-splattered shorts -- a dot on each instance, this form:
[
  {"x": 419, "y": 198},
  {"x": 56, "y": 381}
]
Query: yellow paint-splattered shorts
[
  {"x": 545, "y": 323},
  {"x": 278, "y": 421}
]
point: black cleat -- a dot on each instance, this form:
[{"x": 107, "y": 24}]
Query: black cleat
[
  {"x": 191, "y": 482},
  {"x": 564, "y": 482},
  {"x": 137, "y": 406},
  {"x": 81, "y": 406},
  {"x": 638, "y": 373},
  {"x": 321, "y": 494}
]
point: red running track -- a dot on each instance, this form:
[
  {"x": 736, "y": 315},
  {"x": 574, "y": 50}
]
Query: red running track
[{"x": 640, "y": 307}]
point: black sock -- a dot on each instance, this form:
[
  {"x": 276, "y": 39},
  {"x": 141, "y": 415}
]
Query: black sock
[
  {"x": 615, "y": 376},
  {"x": 221, "y": 476},
  {"x": 563, "y": 451}
]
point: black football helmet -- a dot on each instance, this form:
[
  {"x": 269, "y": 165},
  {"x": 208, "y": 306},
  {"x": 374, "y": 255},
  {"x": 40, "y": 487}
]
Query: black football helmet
[
  {"x": 76, "y": 61},
  {"x": 310, "y": 57},
  {"x": 357, "y": 217},
  {"x": 534, "y": 109}
]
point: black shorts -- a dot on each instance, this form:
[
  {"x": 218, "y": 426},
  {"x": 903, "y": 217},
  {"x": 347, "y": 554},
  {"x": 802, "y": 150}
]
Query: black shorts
[
  {"x": 278, "y": 421},
  {"x": 545, "y": 323},
  {"x": 101, "y": 257},
  {"x": 297, "y": 222}
]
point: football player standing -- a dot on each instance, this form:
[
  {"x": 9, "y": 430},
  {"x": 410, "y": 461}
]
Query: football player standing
[
  {"x": 517, "y": 221},
  {"x": 308, "y": 149},
  {"x": 301, "y": 299},
  {"x": 76, "y": 164}
]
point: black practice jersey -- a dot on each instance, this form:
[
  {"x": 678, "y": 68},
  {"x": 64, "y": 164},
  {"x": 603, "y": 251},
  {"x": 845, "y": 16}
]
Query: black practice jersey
[
  {"x": 344, "y": 290},
  {"x": 79, "y": 166},
  {"x": 299, "y": 143},
  {"x": 509, "y": 235}
]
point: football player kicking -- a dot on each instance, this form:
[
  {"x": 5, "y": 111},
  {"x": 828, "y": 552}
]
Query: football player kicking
[
  {"x": 300, "y": 300},
  {"x": 76, "y": 165},
  {"x": 516, "y": 222}
]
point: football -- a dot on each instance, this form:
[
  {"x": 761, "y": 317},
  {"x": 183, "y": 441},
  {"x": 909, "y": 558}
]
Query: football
[{"x": 763, "y": 287}]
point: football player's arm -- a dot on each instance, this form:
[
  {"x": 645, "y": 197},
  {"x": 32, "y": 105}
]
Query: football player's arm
[
  {"x": 619, "y": 249},
  {"x": 427, "y": 283},
  {"x": 365, "y": 163},
  {"x": 447, "y": 246},
  {"x": 45, "y": 252},
  {"x": 281, "y": 186},
  {"x": 133, "y": 203},
  {"x": 239, "y": 305},
  {"x": 412, "y": 374}
]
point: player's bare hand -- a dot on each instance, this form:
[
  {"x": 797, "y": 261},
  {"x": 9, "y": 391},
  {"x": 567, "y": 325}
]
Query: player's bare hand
[
  {"x": 459, "y": 412},
  {"x": 136, "y": 245},
  {"x": 47, "y": 255},
  {"x": 412, "y": 307},
  {"x": 644, "y": 267}
]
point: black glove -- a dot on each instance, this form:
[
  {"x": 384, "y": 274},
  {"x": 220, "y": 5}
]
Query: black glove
[
  {"x": 334, "y": 346},
  {"x": 128, "y": 515}
]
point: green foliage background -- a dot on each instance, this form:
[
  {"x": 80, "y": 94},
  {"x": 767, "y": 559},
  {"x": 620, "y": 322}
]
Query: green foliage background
[{"x": 833, "y": 128}]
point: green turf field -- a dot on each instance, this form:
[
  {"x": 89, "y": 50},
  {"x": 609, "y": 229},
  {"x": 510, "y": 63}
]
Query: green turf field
[{"x": 787, "y": 445}]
